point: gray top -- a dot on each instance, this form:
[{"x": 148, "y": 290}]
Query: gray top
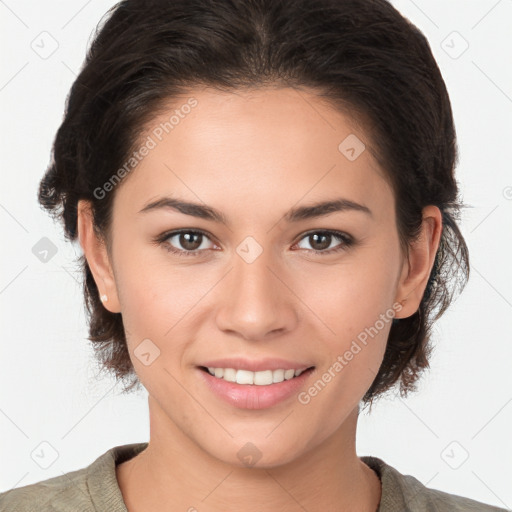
[{"x": 95, "y": 489}]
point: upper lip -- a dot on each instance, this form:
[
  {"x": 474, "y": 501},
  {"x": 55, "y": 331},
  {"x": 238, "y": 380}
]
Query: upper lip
[{"x": 256, "y": 365}]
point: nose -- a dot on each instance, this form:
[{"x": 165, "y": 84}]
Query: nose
[{"x": 255, "y": 301}]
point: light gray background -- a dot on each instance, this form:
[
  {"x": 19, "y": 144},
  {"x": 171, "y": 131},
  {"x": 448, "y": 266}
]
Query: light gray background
[{"x": 49, "y": 389}]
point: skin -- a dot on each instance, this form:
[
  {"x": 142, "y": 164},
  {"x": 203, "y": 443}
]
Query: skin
[{"x": 254, "y": 155}]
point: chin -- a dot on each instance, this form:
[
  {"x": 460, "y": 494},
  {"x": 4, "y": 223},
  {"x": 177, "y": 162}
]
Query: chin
[{"x": 255, "y": 452}]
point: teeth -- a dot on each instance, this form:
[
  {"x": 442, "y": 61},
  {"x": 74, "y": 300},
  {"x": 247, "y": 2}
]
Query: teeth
[
  {"x": 263, "y": 378},
  {"x": 230, "y": 375},
  {"x": 244, "y": 377},
  {"x": 289, "y": 374}
]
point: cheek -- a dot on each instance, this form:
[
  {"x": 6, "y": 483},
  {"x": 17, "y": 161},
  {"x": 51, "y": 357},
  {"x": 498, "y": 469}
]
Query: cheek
[
  {"x": 160, "y": 302},
  {"x": 153, "y": 292},
  {"x": 151, "y": 300},
  {"x": 356, "y": 307},
  {"x": 351, "y": 295},
  {"x": 352, "y": 358}
]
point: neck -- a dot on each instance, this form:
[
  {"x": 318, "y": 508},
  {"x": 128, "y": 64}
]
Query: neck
[{"x": 174, "y": 469}]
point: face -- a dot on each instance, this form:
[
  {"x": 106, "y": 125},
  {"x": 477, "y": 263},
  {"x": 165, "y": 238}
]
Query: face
[{"x": 269, "y": 286}]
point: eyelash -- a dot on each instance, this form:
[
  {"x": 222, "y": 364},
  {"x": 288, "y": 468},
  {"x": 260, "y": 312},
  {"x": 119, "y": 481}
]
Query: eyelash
[{"x": 346, "y": 240}]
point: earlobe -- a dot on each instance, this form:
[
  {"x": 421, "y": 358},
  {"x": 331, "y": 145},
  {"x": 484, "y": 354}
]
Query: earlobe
[
  {"x": 97, "y": 257},
  {"x": 418, "y": 266}
]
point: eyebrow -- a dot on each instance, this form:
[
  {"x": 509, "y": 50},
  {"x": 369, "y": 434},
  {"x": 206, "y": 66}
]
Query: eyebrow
[{"x": 293, "y": 215}]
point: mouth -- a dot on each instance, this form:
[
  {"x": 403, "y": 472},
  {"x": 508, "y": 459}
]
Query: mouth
[
  {"x": 259, "y": 378},
  {"x": 263, "y": 389}
]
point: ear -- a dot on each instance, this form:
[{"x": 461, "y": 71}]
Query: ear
[
  {"x": 417, "y": 267},
  {"x": 95, "y": 252}
]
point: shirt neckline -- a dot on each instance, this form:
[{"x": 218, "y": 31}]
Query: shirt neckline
[{"x": 106, "y": 494}]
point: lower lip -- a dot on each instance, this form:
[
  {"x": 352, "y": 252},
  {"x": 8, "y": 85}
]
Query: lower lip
[{"x": 250, "y": 396}]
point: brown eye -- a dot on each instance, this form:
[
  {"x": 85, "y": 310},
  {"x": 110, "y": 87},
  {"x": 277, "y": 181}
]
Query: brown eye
[
  {"x": 321, "y": 241},
  {"x": 190, "y": 240},
  {"x": 185, "y": 242}
]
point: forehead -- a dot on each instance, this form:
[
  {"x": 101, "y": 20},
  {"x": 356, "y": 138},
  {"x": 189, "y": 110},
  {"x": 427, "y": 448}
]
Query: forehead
[{"x": 259, "y": 147}]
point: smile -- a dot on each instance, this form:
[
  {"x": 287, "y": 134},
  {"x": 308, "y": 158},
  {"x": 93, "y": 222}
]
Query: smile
[
  {"x": 245, "y": 389},
  {"x": 261, "y": 378}
]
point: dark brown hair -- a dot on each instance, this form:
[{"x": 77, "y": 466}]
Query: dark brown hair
[{"x": 363, "y": 56}]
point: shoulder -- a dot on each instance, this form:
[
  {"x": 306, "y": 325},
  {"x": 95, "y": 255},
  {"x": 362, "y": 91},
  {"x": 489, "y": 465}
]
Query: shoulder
[
  {"x": 444, "y": 501},
  {"x": 440, "y": 501},
  {"x": 405, "y": 492},
  {"x": 69, "y": 489},
  {"x": 88, "y": 489}
]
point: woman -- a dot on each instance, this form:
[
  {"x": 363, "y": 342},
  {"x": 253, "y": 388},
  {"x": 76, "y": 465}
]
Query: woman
[{"x": 264, "y": 192}]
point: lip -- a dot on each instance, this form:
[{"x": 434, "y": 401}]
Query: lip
[
  {"x": 251, "y": 396},
  {"x": 240, "y": 363}
]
